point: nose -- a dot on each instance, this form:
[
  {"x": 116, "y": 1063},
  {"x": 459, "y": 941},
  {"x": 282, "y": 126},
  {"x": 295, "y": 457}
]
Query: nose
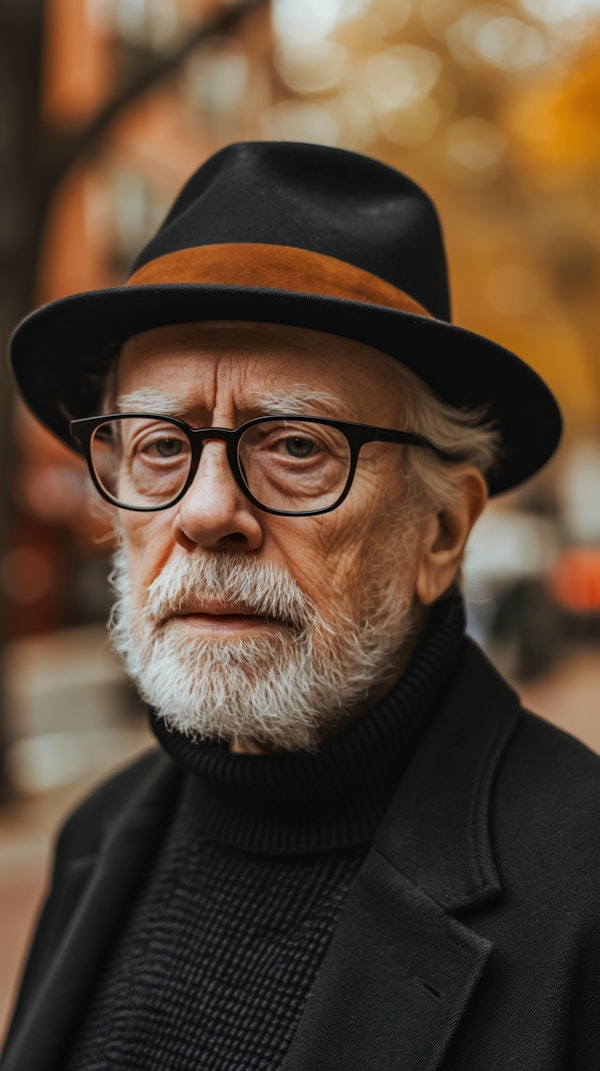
[{"x": 215, "y": 513}]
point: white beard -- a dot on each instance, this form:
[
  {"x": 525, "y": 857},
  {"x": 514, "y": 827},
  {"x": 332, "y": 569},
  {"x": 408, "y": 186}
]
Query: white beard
[{"x": 287, "y": 688}]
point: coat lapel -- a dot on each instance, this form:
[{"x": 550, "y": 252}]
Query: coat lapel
[
  {"x": 394, "y": 984},
  {"x": 109, "y": 882},
  {"x": 401, "y": 968}
]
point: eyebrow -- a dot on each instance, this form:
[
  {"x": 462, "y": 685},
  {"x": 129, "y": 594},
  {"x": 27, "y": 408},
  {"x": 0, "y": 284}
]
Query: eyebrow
[
  {"x": 148, "y": 399},
  {"x": 301, "y": 400}
]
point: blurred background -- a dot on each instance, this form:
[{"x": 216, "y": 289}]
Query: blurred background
[{"x": 105, "y": 107}]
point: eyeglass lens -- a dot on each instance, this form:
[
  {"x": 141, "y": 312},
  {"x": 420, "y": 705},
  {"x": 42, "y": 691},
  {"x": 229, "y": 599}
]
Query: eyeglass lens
[{"x": 293, "y": 466}]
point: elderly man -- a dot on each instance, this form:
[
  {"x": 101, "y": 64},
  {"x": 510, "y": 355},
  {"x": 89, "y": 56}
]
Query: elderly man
[{"x": 352, "y": 850}]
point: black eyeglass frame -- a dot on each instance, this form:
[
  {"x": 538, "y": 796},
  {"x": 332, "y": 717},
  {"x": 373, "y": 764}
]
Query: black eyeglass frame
[{"x": 356, "y": 435}]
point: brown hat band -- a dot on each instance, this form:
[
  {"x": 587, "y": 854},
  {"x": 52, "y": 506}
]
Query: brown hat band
[{"x": 276, "y": 267}]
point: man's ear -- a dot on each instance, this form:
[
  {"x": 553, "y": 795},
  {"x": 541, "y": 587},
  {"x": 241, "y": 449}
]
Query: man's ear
[{"x": 445, "y": 535}]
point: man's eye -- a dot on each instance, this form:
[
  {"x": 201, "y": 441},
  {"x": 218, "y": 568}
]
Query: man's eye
[
  {"x": 165, "y": 448},
  {"x": 300, "y": 447}
]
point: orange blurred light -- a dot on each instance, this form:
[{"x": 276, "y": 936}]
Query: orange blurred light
[{"x": 575, "y": 580}]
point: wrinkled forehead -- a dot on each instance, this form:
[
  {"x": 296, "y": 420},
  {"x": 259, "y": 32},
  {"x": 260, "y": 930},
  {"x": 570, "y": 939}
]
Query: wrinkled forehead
[{"x": 256, "y": 367}]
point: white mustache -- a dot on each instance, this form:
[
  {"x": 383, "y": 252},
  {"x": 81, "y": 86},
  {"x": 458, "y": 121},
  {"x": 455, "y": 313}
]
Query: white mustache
[{"x": 264, "y": 589}]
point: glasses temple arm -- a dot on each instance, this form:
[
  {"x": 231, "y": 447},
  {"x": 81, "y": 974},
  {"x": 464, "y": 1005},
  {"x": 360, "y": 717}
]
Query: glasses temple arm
[{"x": 412, "y": 438}]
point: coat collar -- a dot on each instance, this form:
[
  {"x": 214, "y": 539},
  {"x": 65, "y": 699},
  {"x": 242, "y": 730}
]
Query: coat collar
[
  {"x": 437, "y": 830},
  {"x": 400, "y": 968}
]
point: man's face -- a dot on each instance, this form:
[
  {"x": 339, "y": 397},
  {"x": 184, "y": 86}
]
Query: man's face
[{"x": 341, "y": 596}]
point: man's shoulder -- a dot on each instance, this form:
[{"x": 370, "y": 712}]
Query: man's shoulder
[
  {"x": 539, "y": 739},
  {"x": 87, "y": 825},
  {"x": 540, "y": 755},
  {"x": 545, "y": 816},
  {"x": 557, "y": 773},
  {"x": 544, "y": 783}
]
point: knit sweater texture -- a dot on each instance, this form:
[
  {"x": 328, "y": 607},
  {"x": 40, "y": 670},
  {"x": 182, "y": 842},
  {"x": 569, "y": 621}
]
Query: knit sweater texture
[{"x": 217, "y": 958}]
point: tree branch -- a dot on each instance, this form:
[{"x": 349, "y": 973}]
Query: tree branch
[{"x": 60, "y": 157}]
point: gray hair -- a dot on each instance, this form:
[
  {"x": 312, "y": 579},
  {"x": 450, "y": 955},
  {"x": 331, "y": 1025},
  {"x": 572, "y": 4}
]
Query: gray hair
[{"x": 432, "y": 482}]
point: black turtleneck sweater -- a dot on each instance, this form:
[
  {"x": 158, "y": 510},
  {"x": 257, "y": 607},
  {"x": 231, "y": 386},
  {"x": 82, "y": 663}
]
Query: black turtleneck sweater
[{"x": 220, "y": 951}]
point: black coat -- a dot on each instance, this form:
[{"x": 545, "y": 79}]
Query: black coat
[{"x": 469, "y": 940}]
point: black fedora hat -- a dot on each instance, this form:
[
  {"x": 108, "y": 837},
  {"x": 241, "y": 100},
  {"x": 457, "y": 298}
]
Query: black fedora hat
[{"x": 305, "y": 235}]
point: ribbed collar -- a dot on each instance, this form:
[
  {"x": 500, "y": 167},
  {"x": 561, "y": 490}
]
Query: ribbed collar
[{"x": 336, "y": 797}]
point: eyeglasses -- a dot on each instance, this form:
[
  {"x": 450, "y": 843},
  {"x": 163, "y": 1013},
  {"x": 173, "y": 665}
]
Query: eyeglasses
[{"x": 287, "y": 465}]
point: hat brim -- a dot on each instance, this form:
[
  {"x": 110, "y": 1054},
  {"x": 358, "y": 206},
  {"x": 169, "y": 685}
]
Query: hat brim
[{"x": 61, "y": 351}]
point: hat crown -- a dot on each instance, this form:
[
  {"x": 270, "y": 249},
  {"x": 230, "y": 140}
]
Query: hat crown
[{"x": 313, "y": 197}]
